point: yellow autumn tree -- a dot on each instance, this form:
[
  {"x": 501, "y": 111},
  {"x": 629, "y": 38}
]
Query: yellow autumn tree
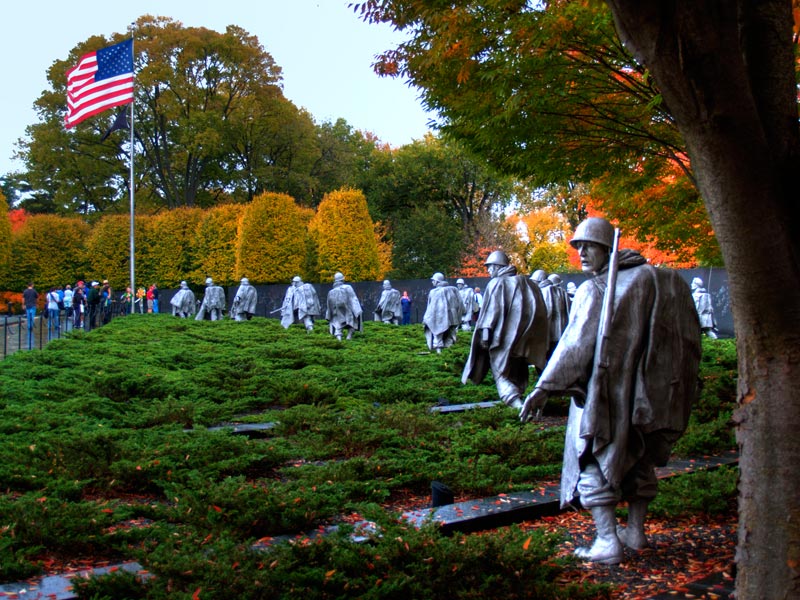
[
  {"x": 271, "y": 245},
  {"x": 344, "y": 237},
  {"x": 170, "y": 249},
  {"x": 384, "y": 249},
  {"x": 544, "y": 233},
  {"x": 48, "y": 250},
  {"x": 215, "y": 241},
  {"x": 108, "y": 250}
]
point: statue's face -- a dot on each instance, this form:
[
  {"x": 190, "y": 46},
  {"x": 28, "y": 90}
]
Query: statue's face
[
  {"x": 493, "y": 269},
  {"x": 593, "y": 256},
  {"x": 296, "y": 283}
]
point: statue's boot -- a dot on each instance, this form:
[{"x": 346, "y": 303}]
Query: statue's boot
[
  {"x": 607, "y": 549},
  {"x": 633, "y": 536}
]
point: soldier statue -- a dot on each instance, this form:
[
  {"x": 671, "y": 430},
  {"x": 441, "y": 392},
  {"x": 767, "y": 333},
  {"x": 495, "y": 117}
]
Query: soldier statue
[
  {"x": 300, "y": 305},
  {"x": 344, "y": 310},
  {"x": 214, "y": 302},
  {"x": 183, "y": 302},
  {"x": 510, "y": 333},
  {"x": 389, "y": 309},
  {"x": 442, "y": 314},
  {"x": 704, "y": 307},
  {"x": 629, "y": 358},
  {"x": 244, "y": 302}
]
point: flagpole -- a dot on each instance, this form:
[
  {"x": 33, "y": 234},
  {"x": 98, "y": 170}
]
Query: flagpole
[{"x": 132, "y": 244}]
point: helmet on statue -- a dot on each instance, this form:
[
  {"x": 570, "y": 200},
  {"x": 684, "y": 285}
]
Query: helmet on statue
[
  {"x": 497, "y": 257},
  {"x": 594, "y": 229}
]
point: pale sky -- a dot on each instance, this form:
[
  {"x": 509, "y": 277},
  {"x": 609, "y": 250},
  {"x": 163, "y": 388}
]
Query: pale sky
[{"x": 325, "y": 52}]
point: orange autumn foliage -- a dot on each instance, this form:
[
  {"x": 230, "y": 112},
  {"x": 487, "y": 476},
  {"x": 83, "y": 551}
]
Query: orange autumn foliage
[{"x": 17, "y": 217}]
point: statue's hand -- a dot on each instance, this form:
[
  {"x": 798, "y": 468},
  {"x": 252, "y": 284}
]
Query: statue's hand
[
  {"x": 485, "y": 341},
  {"x": 533, "y": 405}
]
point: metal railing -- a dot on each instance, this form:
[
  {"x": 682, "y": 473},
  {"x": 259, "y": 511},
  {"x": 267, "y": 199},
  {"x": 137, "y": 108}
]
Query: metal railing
[{"x": 18, "y": 334}]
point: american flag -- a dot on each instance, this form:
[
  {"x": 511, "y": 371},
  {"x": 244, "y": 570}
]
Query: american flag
[{"x": 101, "y": 80}]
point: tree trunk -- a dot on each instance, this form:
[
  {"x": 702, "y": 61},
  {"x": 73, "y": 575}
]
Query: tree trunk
[{"x": 726, "y": 71}]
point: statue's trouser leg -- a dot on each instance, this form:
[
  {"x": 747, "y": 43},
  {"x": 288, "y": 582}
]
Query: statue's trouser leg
[
  {"x": 639, "y": 487},
  {"x": 598, "y": 495},
  {"x": 309, "y": 323},
  {"x": 438, "y": 342}
]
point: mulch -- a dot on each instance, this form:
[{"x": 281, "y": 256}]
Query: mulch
[{"x": 681, "y": 551}]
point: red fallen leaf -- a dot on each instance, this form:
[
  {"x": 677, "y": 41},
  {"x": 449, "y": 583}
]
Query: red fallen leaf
[
  {"x": 216, "y": 508},
  {"x": 138, "y": 468},
  {"x": 108, "y": 511},
  {"x": 330, "y": 573},
  {"x": 527, "y": 543},
  {"x": 196, "y": 595},
  {"x": 42, "y": 499}
]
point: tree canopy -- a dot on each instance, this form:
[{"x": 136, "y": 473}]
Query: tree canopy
[
  {"x": 548, "y": 93},
  {"x": 210, "y": 119}
]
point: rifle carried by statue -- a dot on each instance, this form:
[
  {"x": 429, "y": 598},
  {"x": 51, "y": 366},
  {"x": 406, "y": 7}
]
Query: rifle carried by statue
[
  {"x": 595, "y": 414},
  {"x": 607, "y": 314}
]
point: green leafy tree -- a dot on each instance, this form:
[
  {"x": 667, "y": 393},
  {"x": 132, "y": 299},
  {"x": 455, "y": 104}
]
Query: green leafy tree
[
  {"x": 728, "y": 72},
  {"x": 344, "y": 236},
  {"x": 274, "y": 147},
  {"x": 434, "y": 171},
  {"x": 215, "y": 241},
  {"x": 49, "y": 250},
  {"x": 523, "y": 81},
  {"x": 271, "y": 244},
  {"x": 426, "y": 241},
  {"x": 211, "y": 124},
  {"x": 5, "y": 239},
  {"x": 345, "y": 155},
  {"x": 544, "y": 91}
]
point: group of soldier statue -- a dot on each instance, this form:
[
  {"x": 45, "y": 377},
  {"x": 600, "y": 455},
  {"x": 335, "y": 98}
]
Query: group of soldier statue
[
  {"x": 624, "y": 346},
  {"x": 342, "y": 307},
  {"x": 628, "y": 356},
  {"x": 214, "y": 303}
]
